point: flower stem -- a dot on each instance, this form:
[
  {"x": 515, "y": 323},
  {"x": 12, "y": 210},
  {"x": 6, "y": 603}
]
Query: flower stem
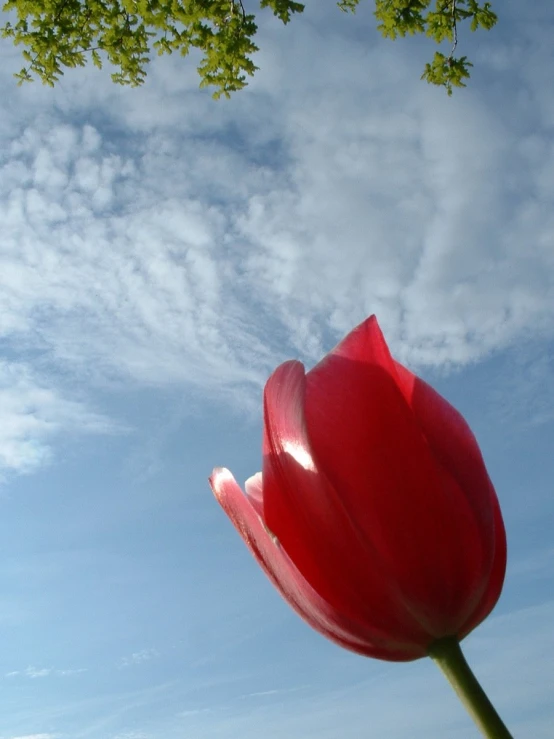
[{"x": 446, "y": 653}]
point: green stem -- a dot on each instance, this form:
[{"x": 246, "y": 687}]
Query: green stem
[{"x": 446, "y": 653}]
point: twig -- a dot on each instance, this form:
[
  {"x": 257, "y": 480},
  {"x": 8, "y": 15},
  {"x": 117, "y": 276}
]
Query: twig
[{"x": 455, "y": 30}]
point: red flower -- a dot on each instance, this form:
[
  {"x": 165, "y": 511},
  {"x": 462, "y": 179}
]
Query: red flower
[{"x": 375, "y": 516}]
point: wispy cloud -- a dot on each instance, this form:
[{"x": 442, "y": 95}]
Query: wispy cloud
[
  {"x": 138, "y": 251},
  {"x": 272, "y": 692},
  {"x": 133, "y": 264},
  {"x": 33, "y": 413},
  {"x": 35, "y": 672},
  {"x": 113, "y": 267},
  {"x": 113, "y": 271},
  {"x": 137, "y": 658},
  {"x": 196, "y": 712}
]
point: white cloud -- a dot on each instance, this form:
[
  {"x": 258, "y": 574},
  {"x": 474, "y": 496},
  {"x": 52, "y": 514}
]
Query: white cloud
[
  {"x": 406, "y": 214},
  {"x": 195, "y": 712},
  {"x": 273, "y": 692},
  {"x": 65, "y": 673},
  {"x": 197, "y": 245},
  {"x": 33, "y": 414},
  {"x": 35, "y": 672},
  {"x": 123, "y": 280},
  {"x": 36, "y": 736},
  {"x": 137, "y": 658},
  {"x": 129, "y": 248}
]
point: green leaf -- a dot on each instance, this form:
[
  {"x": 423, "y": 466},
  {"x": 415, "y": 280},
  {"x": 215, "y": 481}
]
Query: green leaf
[
  {"x": 61, "y": 34},
  {"x": 447, "y": 72}
]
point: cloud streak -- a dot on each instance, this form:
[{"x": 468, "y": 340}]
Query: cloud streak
[{"x": 36, "y": 672}]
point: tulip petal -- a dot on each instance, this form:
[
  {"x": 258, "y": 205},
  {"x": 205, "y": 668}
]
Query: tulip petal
[
  {"x": 496, "y": 577},
  {"x": 451, "y": 440},
  {"x": 254, "y": 493},
  {"x": 288, "y": 580},
  {"x": 455, "y": 446},
  {"x": 370, "y": 446},
  {"x": 308, "y": 516}
]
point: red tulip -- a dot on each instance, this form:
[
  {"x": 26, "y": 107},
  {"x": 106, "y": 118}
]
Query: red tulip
[{"x": 375, "y": 516}]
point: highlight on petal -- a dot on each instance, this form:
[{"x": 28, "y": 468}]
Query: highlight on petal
[
  {"x": 290, "y": 583},
  {"x": 412, "y": 515},
  {"x": 308, "y": 515},
  {"x": 300, "y": 454}
]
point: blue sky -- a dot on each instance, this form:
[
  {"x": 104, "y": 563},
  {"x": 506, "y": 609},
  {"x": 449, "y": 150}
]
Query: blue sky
[{"x": 161, "y": 253}]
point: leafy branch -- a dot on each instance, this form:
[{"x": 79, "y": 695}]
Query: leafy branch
[{"x": 60, "y": 33}]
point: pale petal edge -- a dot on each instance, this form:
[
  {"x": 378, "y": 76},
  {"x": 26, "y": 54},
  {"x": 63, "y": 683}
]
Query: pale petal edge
[{"x": 286, "y": 578}]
